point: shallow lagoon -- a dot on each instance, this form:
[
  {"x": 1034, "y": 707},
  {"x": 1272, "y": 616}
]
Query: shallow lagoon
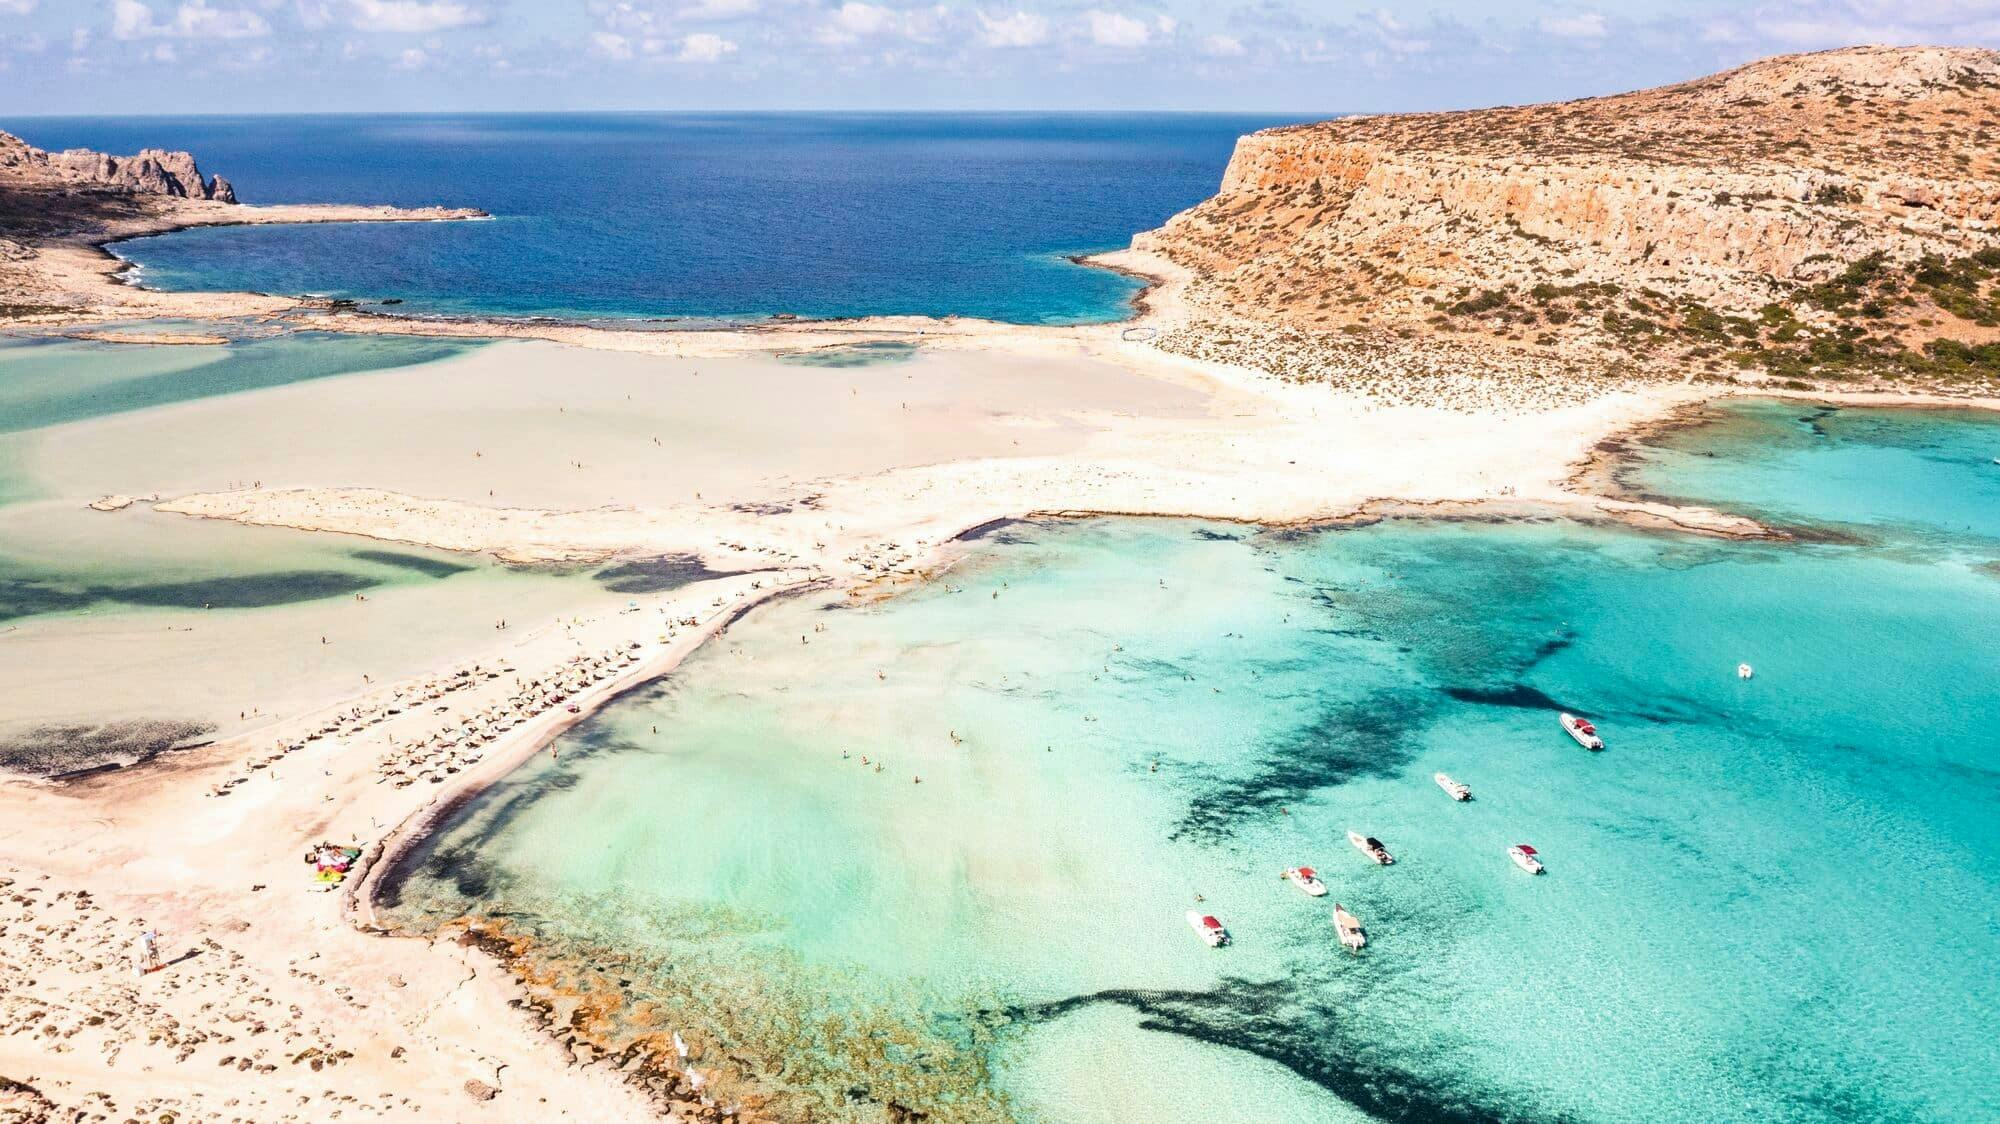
[{"x": 1767, "y": 899}]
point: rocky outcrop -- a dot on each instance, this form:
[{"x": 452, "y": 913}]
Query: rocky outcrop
[
  {"x": 153, "y": 171},
  {"x": 1728, "y": 193}
]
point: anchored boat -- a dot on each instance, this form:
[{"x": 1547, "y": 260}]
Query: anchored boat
[
  {"x": 1208, "y": 928},
  {"x": 1525, "y": 857},
  {"x": 1584, "y": 733},
  {"x": 1349, "y": 928},
  {"x": 1452, "y": 788},
  {"x": 1304, "y": 878},
  {"x": 1371, "y": 846}
]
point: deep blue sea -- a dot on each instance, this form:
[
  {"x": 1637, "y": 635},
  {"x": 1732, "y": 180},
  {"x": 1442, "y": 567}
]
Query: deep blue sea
[{"x": 689, "y": 215}]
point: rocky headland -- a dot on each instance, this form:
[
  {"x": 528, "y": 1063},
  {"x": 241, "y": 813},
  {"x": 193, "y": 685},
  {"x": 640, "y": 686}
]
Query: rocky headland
[
  {"x": 1809, "y": 218},
  {"x": 59, "y": 209}
]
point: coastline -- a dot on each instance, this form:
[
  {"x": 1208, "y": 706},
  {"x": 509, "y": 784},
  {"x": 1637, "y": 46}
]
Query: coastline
[
  {"x": 380, "y": 863},
  {"x": 1260, "y": 458}
]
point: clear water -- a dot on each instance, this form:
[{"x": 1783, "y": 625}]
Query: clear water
[
  {"x": 47, "y": 381},
  {"x": 690, "y": 215},
  {"x": 57, "y": 557},
  {"x": 1913, "y": 476},
  {"x": 1770, "y": 899}
]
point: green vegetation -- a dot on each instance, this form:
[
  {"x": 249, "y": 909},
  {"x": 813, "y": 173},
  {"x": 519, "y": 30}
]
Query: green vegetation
[{"x": 1860, "y": 324}]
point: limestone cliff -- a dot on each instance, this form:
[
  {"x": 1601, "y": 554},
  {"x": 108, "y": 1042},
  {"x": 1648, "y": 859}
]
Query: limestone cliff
[
  {"x": 153, "y": 171},
  {"x": 1558, "y": 227}
]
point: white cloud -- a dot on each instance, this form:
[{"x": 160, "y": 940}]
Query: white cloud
[
  {"x": 1016, "y": 29},
  {"x": 1112, "y": 29},
  {"x": 855, "y": 21},
  {"x": 1583, "y": 25},
  {"x": 414, "y": 17},
  {"x": 1223, "y": 47},
  {"x": 611, "y": 45},
  {"x": 412, "y": 58},
  {"x": 164, "y": 52},
  {"x": 704, "y": 47},
  {"x": 193, "y": 19},
  {"x": 16, "y": 7},
  {"x": 702, "y": 10}
]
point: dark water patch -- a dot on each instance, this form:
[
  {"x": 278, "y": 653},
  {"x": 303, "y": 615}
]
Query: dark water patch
[
  {"x": 1274, "y": 1020},
  {"x": 1812, "y": 421},
  {"x": 871, "y": 354},
  {"x": 1550, "y": 648},
  {"x": 31, "y": 596},
  {"x": 254, "y": 592},
  {"x": 253, "y": 365},
  {"x": 58, "y": 750},
  {"x": 999, "y": 531},
  {"x": 1346, "y": 739},
  {"x": 429, "y": 567},
  {"x": 27, "y": 597},
  {"x": 1519, "y": 696},
  {"x": 1206, "y": 535},
  {"x": 657, "y": 575}
]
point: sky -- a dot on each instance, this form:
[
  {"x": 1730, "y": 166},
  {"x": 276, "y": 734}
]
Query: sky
[{"x": 1294, "y": 56}]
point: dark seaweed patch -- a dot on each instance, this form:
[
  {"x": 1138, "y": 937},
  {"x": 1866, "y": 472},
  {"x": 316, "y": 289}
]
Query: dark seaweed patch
[
  {"x": 21, "y": 597},
  {"x": 1347, "y": 739},
  {"x": 56, "y": 750},
  {"x": 1273, "y": 1020},
  {"x": 657, "y": 575},
  {"x": 1518, "y": 695},
  {"x": 851, "y": 355},
  {"x": 254, "y": 592},
  {"x": 429, "y": 567}
]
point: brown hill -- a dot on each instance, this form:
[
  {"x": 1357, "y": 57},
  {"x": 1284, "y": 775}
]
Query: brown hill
[{"x": 1825, "y": 215}]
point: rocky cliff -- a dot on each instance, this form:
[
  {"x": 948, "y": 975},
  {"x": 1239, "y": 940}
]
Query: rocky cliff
[
  {"x": 1597, "y": 230},
  {"x": 152, "y": 172}
]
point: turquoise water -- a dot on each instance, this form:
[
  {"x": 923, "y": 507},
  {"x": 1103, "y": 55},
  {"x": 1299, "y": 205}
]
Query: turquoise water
[
  {"x": 1767, "y": 899},
  {"x": 47, "y": 381},
  {"x": 57, "y": 557},
  {"x": 701, "y": 215},
  {"x": 1911, "y": 475}
]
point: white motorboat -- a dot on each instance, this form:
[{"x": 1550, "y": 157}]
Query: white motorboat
[
  {"x": 1349, "y": 928},
  {"x": 1584, "y": 733},
  {"x": 1208, "y": 928},
  {"x": 1452, "y": 788},
  {"x": 1304, "y": 878},
  {"x": 1744, "y": 671},
  {"x": 1371, "y": 846},
  {"x": 1525, "y": 857}
]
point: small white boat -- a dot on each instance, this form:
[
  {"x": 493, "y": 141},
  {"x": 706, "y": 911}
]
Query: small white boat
[
  {"x": 1304, "y": 878},
  {"x": 1208, "y": 928},
  {"x": 1452, "y": 788},
  {"x": 1584, "y": 733},
  {"x": 1371, "y": 846},
  {"x": 1524, "y": 857},
  {"x": 1349, "y": 928},
  {"x": 1744, "y": 671}
]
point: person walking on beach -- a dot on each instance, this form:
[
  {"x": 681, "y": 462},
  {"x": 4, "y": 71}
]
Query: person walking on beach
[{"x": 146, "y": 953}]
